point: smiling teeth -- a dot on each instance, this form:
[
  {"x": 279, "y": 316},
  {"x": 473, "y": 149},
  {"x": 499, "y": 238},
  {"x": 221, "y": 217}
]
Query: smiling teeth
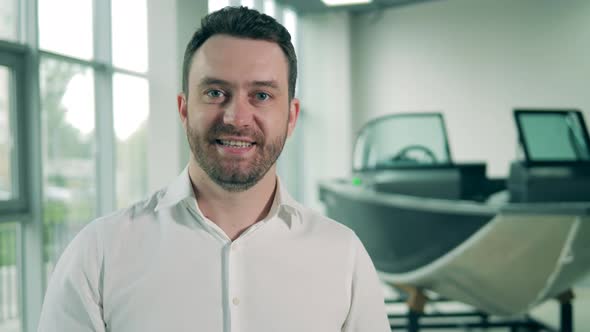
[{"x": 237, "y": 144}]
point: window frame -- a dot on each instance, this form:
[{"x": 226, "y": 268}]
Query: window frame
[
  {"x": 27, "y": 210},
  {"x": 14, "y": 57}
]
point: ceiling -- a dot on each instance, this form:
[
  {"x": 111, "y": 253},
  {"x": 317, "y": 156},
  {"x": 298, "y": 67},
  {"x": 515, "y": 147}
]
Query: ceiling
[{"x": 303, "y": 7}]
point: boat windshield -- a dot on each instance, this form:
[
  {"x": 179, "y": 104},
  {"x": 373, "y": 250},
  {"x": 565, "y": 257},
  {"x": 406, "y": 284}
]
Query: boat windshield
[
  {"x": 553, "y": 135},
  {"x": 402, "y": 140}
]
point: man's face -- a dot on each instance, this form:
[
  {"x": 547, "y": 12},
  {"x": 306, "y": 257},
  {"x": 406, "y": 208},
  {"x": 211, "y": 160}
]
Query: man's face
[{"x": 238, "y": 114}]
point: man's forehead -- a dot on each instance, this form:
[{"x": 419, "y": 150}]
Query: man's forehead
[
  {"x": 230, "y": 58},
  {"x": 220, "y": 42}
]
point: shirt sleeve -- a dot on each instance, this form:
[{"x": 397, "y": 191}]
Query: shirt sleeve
[
  {"x": 367, "y": 308},
  {"x": 73, "y": 300}
]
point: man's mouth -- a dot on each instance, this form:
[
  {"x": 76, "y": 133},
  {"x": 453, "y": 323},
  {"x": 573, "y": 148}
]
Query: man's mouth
[{"x": 235, "y": 143}]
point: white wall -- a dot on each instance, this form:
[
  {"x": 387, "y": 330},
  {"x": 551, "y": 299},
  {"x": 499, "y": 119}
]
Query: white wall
[
  {"x": 476, "y": 61},
  {"x": 188, "y": 18},
  {"x": 163, "y": 152},
  {"x": 171, "y": 25},
  {"x": 325, "y": 97}
]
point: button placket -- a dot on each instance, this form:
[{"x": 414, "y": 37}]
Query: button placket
[{"x": 234, "y": 289}]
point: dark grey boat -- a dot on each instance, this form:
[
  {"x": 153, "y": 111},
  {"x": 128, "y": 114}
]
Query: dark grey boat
[{"x": 501, "y": 245}]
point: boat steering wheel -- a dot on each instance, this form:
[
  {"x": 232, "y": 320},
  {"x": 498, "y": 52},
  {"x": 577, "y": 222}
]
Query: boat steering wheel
[{"x": 404, "y": 155}]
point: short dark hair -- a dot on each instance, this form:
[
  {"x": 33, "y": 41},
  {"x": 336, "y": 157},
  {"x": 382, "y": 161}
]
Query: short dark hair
[{"x": 246, "y": 23}]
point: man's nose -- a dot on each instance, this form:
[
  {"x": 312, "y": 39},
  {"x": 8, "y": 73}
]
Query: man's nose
[{"x": 238, "y": 112}]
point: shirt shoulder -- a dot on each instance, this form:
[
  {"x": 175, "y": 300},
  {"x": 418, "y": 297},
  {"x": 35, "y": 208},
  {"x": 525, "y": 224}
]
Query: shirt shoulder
[
  {"x": 319, "y": 224},
  {"x": 138, "y": 213}
]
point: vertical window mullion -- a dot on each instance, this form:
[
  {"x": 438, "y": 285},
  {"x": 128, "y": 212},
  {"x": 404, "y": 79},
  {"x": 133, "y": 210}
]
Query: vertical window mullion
[
  {"x": 105, "y": 145},
  {"x": 30, "y": 254},
  {"x": 30, "y": 251}
]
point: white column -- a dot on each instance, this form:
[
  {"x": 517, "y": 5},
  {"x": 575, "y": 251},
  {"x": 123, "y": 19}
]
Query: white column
[
  {"x": 163, "y": 129},
  {"x": 325, "y": 99}
]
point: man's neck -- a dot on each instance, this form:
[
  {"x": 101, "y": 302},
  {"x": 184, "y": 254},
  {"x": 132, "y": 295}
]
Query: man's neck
[{"x": 233, "y": 212}]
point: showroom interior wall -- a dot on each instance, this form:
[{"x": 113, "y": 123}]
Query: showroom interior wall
[
  {"x": 474, "y": 61},
  {"x": 163, "y": 138},
  {"x": 171, "y": 25},
  {"x": 325, "y": 69}
]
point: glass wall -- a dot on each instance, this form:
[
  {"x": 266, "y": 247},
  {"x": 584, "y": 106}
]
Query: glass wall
[
  {"x": 6, "y": 176},
  {"x": 8, "y": 20},
  {"x": 53, "y": 28},
  {"x": 68, "y": 145},
  {"x": 129, "y": 20},
  {"x": 131, "y": 108},
  {"x": 9, "y": 278},
  {"x": 93, "y": 106},
  {"x": 71, "y": 71}
]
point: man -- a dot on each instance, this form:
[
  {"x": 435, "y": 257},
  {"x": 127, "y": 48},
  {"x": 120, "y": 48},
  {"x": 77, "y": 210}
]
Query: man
[{"x": 224, "y": 247}]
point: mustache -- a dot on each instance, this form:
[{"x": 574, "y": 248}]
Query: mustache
[{"x": 220, "y": 129}]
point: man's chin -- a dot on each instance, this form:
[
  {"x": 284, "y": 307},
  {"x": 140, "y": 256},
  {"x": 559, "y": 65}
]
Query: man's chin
[{"x": 236, "y": 185}]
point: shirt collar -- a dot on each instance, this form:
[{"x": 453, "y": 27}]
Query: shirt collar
[
  {"x": 284, "y": 203},
  {"x": 178, "y": 190},
  {"x": 181, "y": 188}
]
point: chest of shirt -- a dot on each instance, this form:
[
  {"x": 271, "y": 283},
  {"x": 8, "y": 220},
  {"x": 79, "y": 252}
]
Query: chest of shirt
[{"x": 180, "y": 279}]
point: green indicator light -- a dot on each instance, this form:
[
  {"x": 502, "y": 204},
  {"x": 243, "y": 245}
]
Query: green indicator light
[{"x": 357, "y": 181}]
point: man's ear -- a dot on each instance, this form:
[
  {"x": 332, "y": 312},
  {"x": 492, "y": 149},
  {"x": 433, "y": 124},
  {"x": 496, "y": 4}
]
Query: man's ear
[
  {"x": 293, "y": 116},
  {"x": 182, "y": 108}
]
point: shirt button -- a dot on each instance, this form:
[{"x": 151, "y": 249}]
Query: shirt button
[
  {"x": 234, "y": 247},
  {"x": 236, "y": 301}
]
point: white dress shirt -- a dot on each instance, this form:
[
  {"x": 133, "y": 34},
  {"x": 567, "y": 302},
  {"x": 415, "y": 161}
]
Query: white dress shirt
[{"x": 161, "y": 265}]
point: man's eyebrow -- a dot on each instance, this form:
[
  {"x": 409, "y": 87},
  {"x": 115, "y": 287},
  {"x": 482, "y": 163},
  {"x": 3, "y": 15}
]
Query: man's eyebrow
[
  {"x": 269, "y": 84},
  {"x": 213, "y": 81},
  {"x": 207, "y": 80}
]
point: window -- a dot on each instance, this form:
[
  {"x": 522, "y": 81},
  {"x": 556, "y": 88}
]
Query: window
[
  {"x": 12, "y": 186},
  {"x": 129, "y": 20},
  {"x": 130, "y": 105},
  {"x": 9, "y": 278},
  {"x": 68, "y": 145},
  {"x": 6, "y": 139},
  {"x": 72, "y": 147},
  {"x": 8, "y": 19},
  {"x": 77, "y": 27},
  {"x": 94, "y": 109}
]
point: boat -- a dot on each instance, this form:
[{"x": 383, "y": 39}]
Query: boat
[{"x": 500, "y": 245}]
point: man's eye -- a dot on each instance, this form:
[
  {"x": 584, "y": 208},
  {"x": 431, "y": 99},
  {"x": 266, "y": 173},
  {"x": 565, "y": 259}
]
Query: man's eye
[
  {"x": 262, "y": 96},
  {"x": 214, "y": 94}
]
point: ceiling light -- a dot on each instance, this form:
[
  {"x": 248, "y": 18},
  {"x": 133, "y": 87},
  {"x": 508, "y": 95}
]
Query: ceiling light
[{"x": 344, "y": 2}]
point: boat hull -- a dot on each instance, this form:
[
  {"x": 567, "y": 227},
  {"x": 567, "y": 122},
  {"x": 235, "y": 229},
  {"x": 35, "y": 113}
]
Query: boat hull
[{"x": 502, "y": 259}]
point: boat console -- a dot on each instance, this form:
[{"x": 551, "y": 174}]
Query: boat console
[
  {"x": 556, "y": 165},
  {"x": 409, "y": 154}
]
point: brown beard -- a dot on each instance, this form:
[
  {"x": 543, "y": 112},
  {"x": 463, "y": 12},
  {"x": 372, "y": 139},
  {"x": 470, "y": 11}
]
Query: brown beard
[{"x": 227, "y": 173}]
